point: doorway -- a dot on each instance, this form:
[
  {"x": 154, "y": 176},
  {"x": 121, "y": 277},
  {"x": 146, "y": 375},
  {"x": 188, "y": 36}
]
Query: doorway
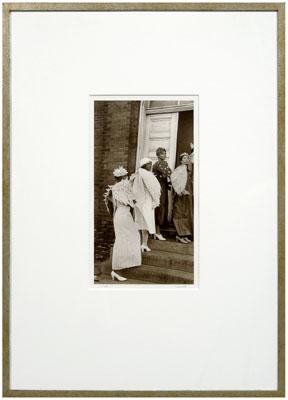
[{"x": 185, "y": 134}]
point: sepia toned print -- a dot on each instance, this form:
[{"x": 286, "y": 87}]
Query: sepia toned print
[
  {"x": 185, "y": 391},
  {"x": 143, "y": 192}
]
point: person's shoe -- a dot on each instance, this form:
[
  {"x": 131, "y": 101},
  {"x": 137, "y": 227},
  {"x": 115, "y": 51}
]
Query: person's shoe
[
  {"x": 144, "y": 248},
  {"x": 158, "y": 236},
  {"x": 180, "y": 240},
  {"x": 187, "y": 240},
  {"x": 117, "y": 277}
]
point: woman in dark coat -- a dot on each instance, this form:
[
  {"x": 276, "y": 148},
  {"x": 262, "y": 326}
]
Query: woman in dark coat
[
  {"x": 182, "y": 182},
  {"x": 162, "y": 172}
]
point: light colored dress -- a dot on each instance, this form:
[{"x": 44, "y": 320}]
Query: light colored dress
[
  {"x": 126, "y": 249},
  {"x": 145, "y": 214},
  {"x": 146, "y": 190}
]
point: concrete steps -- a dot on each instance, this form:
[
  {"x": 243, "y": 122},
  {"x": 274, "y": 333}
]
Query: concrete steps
[
  {"x": 107, "y": 280},
  {"x": 155, "y": 274},
  {"x": 169, "y": 262},
  {"x": 171, "y": 246}
]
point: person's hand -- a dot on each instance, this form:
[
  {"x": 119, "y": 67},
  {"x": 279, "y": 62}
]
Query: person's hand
[{"x": 186, "y": 192}]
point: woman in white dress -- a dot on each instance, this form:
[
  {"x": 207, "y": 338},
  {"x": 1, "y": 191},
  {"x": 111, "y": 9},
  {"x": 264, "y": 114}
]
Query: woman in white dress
[
  {"x": 146, "y": 190},
  {"x": 126, "y": 249}
]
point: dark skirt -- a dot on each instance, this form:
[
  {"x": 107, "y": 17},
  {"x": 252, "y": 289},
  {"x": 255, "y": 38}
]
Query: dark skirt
[
  {"x": 161, "y": 212},
  {"x": 183, "y": 212}
]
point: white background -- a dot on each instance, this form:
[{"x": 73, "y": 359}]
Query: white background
[{"x": 222, "y": 336}]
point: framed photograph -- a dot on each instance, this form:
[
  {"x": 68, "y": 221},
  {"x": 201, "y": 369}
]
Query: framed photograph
[{"x": 143, "y": 200}]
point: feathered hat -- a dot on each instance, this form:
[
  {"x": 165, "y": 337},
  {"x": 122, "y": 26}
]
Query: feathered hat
[{"x": 120, "y": 171}]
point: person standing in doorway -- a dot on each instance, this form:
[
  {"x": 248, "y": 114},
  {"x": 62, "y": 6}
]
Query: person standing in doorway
[
  {"x": 182, "y": 182},
  {"x": 162, "y": 172}
]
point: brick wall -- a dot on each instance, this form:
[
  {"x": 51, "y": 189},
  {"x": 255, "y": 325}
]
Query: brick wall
[{"x": 115, "y": 143}]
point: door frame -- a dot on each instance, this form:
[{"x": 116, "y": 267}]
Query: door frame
[{"x": 145, "y": 110}]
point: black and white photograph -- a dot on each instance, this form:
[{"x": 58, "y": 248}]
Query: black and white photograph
[
  {"x": 144, "y": 191},
  {"x": 143, "y": 199}
]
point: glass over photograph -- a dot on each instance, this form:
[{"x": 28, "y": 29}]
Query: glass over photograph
[{"x": 144, "y": 192}]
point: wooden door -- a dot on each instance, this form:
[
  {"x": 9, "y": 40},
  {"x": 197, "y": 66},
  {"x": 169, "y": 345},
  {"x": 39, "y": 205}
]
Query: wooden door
[{"x": 158, "y": 130}]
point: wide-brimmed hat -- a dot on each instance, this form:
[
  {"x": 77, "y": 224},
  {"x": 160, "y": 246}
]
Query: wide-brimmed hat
[{"x": 145, "y": 161}]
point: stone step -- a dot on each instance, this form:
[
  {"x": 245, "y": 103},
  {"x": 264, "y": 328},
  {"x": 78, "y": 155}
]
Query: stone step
[
  {"x": 150, "y": 273},
  {"x": 158, "y": 258},
  {"x": 107, "y": 280},
  {"x": 164, "y": 259},
  {"x": 171, "y": 246}
]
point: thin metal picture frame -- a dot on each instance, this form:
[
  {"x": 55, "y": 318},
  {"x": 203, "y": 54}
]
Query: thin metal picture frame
[{"x": 9, "y": 8}]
